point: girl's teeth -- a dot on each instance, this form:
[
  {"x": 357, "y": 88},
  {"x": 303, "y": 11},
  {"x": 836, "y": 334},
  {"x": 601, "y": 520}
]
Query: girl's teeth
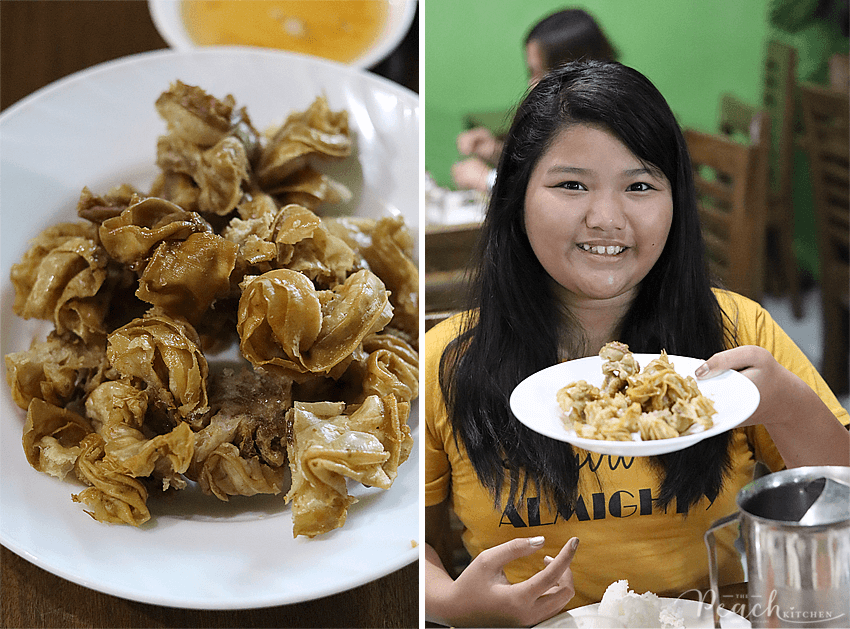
[{"x": 611, "y": 250}]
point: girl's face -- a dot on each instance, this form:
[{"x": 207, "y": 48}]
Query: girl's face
[
  {"x": 596, "y": 217},
  {"x": 535, "y": 62}
]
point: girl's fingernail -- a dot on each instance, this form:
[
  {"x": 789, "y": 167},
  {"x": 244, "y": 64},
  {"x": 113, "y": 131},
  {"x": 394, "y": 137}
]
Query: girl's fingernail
[
  {"x": 702, "y": 370},
  {"x": 574, "y": 543},
  {"x": 536, "y": 541},
  {"x": 547, "y": 560}
]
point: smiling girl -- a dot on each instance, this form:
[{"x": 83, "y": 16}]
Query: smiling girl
[{"x": 592, "y": 235}]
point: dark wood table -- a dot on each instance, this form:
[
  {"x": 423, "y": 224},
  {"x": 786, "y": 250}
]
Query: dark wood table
[{"x": 42, "y": 41}]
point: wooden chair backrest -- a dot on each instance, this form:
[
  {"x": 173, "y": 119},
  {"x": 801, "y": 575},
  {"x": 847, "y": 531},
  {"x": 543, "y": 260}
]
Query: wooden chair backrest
[
  {"x": 750, "y": 125},
  {"x": 733, "y": 230},
  {"x": 448, "y": 253},
  {"x": 825, "y": 120},
  {"x": 779, "y": 100}
]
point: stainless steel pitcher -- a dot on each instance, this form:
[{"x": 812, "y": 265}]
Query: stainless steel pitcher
[{"x": 795, "y": 529}]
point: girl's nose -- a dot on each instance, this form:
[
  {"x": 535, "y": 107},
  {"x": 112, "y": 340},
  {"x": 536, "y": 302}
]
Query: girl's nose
[{"x": 605, "y": 211}]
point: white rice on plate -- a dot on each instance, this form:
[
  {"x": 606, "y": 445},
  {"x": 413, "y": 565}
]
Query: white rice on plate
[{"x": 638, "y": 610}]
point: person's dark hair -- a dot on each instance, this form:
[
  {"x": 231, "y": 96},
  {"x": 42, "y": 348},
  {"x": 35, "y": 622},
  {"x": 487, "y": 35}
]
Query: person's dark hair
[
  {"x": 570, "y": 35},
  {"x": 516, "y": 325}
]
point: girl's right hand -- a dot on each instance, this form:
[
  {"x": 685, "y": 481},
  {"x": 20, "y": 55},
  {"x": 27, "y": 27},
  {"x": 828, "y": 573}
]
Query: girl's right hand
[{"x": 484, "y": 597}]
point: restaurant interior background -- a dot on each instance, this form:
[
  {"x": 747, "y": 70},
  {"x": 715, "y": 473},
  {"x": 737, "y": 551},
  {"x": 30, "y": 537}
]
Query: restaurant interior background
[{"x": 693, "y": 51}]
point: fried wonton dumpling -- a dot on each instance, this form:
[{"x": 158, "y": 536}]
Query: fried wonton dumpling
[
  {"x": 59, "y": 277},
  {"x": 392, "y": 367},
  {"x": 305, "y": 245},
  {"x": 285, "y": 324},
  {"x": 178, "y": 188},
  {"x": 194, "y": 115},
  {"x": 219, "y": 171},
  {"x": 329, "y": 446},
  {"x": 97, "y": 208},
  {"x": 117, "y": 402},
  {"x": 655, "y": 425},
  {"x": 165, "y": 456},
  {"x": 133, "y": 235},
  {"x": 248, "y": 422},
  {"x": 311, "y": 189},
  {"x": 184, "y": 278},
  {"x": 317, "y": 131},
  {"x": 164, "y": 353},
  {"x": 52, "y": 437},
  {"x": 56, "y": 370},
  {"x": 113, "y": 496}
]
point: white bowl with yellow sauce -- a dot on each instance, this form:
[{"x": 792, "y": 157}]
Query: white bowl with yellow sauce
[{"x": 359, "y": 33}]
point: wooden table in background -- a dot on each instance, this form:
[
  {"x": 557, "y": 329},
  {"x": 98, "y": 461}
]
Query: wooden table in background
[{"x": 42, "y": 41}]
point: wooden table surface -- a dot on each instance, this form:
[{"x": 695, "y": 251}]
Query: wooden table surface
[{"x": 42, "y": 41}]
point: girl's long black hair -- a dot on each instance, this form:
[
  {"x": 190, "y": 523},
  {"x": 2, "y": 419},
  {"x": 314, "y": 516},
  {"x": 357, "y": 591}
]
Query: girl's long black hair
[{"x": 516, "y": 326}]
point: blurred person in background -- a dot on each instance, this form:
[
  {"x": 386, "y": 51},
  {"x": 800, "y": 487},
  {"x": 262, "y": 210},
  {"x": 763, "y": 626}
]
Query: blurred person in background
[{"x": 559, "y": 38}]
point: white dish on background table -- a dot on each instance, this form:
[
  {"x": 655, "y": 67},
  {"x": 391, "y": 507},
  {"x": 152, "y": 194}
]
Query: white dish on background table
[
  {"x": 534, "y": 403},
  {"x": 99, "y": 128},
  {"x": 694, "y": 613},
  {"x": 166, "y": 17}
]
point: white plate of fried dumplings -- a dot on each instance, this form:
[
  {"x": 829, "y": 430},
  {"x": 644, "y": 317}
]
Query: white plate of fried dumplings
[
  {"x": 647, "y": 404},
  {"x": 241, "y": 238}
]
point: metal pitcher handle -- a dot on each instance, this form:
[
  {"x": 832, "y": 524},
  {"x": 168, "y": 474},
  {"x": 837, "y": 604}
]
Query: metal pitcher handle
[{"x": 712, "y": 563}]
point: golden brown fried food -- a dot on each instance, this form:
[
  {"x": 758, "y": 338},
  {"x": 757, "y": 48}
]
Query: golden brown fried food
[
  {"x": 226, "y": 248},
  {"x": 656, "y": 403}
]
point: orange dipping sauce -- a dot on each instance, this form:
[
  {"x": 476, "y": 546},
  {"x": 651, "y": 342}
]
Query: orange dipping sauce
[{"x": 341, "y": 30}]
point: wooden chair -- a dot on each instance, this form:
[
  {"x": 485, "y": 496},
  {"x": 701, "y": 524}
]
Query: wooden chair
[
  {"x": 750, "y": 125},
  {"x": 825, "y": 121},
  {"x": 779, "y": 100},
  {"x": 448, "y": 252},
  {"x": 732, "y": 215}
]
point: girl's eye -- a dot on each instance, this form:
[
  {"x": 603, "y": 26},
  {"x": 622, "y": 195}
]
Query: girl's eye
[
  {"x": 571, "y": 185},
  {"x": 640, "y": 187}
]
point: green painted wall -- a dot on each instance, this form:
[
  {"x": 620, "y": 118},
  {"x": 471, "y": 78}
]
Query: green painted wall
[{"x": 692, "y": 50}]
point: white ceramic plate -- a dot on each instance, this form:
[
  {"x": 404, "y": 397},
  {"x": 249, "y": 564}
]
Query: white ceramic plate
[
  {"x": 694, "y": 614},
  {"x": 99, "y": 128},
  {"x": 400, "y": 13},
  {"x": 534, "y": 403}
]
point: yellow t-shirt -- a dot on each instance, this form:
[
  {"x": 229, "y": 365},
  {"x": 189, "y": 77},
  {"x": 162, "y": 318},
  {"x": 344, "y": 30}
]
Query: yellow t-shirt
[{"x": 623, "y": 534}]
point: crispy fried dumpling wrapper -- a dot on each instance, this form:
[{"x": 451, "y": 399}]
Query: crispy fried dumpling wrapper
[
  {"x": 390, "y": 256},
  {"x": 574, "y": 397},
  {"x": 226, "y": 473},
  {"x": 185, "y": 278},
  {"x": 52, "y": 437},
  {"x": 57, "y": 370},
  {"x": 165, "y": 354},
  {"x": 97, "y": 208},
  {"x": 328, "y": 447},
  {"x": 194, "y": 115},
  {"x": 248, "y": 422},
  {"x": 132, "y": 235},
  {"x": 385, "y": 246},
  {"x": 305, "y": 245},
  {"x": 657, "y": 425},
  {"x": 178, "y": 188},
  {"x": 114, "y": 496},
  {"x": 285, "y": 324},
  {"x": 317, "y": 131},
  {"x": 59, "y": 277},
  {"x": 392, "y": 367},
  {"x": 219, "y": 171},
  {"x": 311, "y": 189},
  {"x": 619, "y": 364},
  {"x": 164, "y": 456},
  {"x": 117, "y": 402}
]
